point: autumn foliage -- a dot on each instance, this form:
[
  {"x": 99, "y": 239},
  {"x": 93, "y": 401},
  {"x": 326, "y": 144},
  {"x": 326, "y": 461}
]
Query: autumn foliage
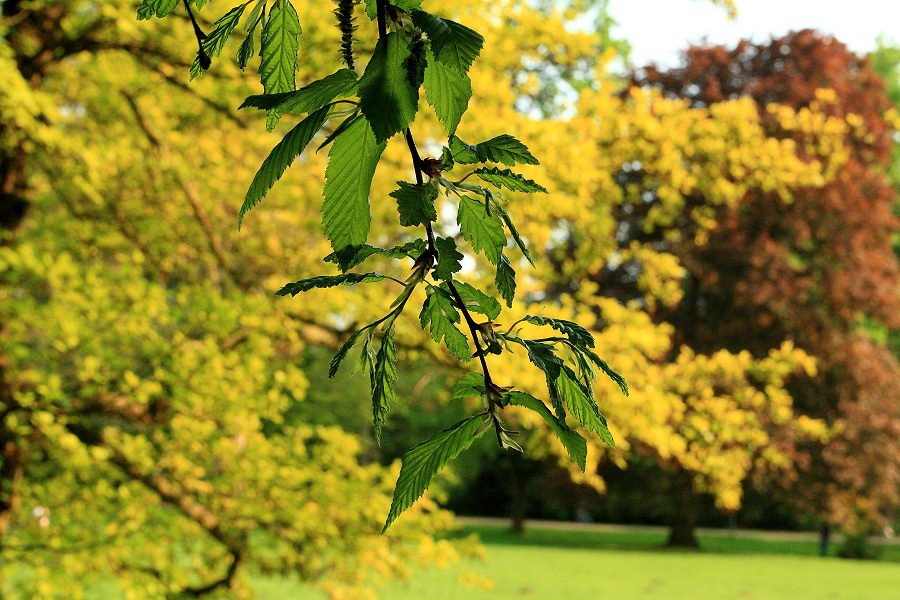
[{"x": 816, "y": 267}]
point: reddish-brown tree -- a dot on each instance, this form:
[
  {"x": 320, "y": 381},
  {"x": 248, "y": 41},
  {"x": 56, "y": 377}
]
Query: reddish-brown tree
[{"x": 817, "y": 269}]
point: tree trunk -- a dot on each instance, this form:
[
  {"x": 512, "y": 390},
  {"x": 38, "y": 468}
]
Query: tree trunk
[{"x": 683, "y": 523}]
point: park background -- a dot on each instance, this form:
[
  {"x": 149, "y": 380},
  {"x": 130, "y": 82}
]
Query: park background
[{"x": 726, "y": 223}]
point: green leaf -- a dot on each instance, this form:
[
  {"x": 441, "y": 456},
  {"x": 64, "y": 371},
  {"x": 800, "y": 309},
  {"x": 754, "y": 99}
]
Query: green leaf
[
  {"x": 582, "y": 406},
  {"x": 503, "y": 149},
  {"x": 255, "y": 16},
  {"x": 574, "y": 444},
  {"x": 352, "y": 256},
  {"x": 483, "y": 230},
  {"x": 222, "y": 29},
  {"x": 155, "y": 8},
  {"x": 348, "y": 178},
  {"x": 448, "y": 91},
  {"x": 544, "y": 358},
  {"x": 415, "y": 203},
  {"x": 406, "y": 5},
  {"x": 476, "y": 300},
  {"x": 386, "y": 97},
  {"x": 439, "y": 316},
  {"x": 603, "y": 366},
  {"x": 509, "y": 180},
  {"x": 342, "y": 352},
  {"x": 454, "y": 45},
  {"x": 575, "y": 332},
  {"x": 327, "y": 281},
  {"x": 280, "y": 44},
  {"x": 509, "y": 225},
  {"x": 470, "y": 385},
  {"x": 383, "y": 379},
  {"x": 309, "y": 98},
  {"x": 449, "y": 258},
  {"x": 422, "y": 463},
  {"x": 245, "y": 52},
  {"x": 282, "y": 155},
  {"x": 340, "y": 129},
  {"x": 506, "y": 280}
]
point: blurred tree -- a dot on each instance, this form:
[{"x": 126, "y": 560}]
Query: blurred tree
[
  {"x": 143, "y": 381},
  {"x": 817, "y": 268}
]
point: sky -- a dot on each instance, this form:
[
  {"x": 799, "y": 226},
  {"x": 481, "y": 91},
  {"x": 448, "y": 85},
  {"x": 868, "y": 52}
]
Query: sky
[{"x": 659, "y": 29}]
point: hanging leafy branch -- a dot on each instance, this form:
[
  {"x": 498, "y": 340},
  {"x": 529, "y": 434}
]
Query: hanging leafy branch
[{"x": 414, "y": 50}]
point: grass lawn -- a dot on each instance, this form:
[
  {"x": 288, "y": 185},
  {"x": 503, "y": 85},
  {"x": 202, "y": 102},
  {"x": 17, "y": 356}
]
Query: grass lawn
[{"x": 572, "y": 565}]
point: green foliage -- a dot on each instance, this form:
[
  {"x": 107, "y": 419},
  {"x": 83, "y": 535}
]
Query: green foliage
[
  {"x": 283, "y": 154},
  {"x": 575, "y": 445},
  {"x": 155, "y": 8},
  {"x": 454, "y": 45},
  {"x": 503, "y": 149},
  {"x": 448, "y": 258},
  {"x": 506, "y": 281},
  {"x": 351, "y": 165},
  {"x": 414, "y": 48},
  {"x": 481, "y": 229},
  {"x": 280, "y": 44},
  {"x": 509, "y": 180},
  {"x": 448, "y": 91},
  {"x": 422, "y": 463},
  {"x": 326, "y": 281},
  {"x": 307, "y": 99},
  {"x": 222, "y": 29},
  {"x": 415, "y": 203},
  {"x": 384, "y": 377},
  {"x": 387, "y": 97},
  {"x": 475, "y": 300},
  {"x": 439, "y": 316}
]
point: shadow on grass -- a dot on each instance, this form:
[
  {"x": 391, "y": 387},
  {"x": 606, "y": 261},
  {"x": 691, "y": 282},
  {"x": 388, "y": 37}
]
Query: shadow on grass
[{"x": 649, "y": 542}]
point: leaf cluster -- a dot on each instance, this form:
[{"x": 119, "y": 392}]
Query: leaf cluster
[{"x": 356, "y": 115}]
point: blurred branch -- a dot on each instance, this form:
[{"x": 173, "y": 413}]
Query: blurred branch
[{"x": 162, "y": 151}]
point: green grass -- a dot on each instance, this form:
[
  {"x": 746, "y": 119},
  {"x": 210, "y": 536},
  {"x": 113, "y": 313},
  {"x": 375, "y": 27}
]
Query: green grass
[{"x": 551, "y": 565}]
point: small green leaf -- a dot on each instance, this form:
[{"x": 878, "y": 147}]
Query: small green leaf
[
  {"x": 476, "y": 300},
  {"x": 439, "y": 316},
  {"x": 155, "y": 8},
  {"x": 352, "y": 256},
  {"x": 449, "y": 258},
  {"x": 415, "y": 203},
  {"x": 483, "y": 230},
  {"x": 544, "y": 358},
  {"x": 280, "y": 44},
  {"x": 509, "y": 180},
  {"x": 603, "y": 366},
  {"x": 383, "y": 379},
  {"x": 582, "y": 406},
  {"x": 342, "y": 352},
  {"x": 282, "y": 155},
  {"x": 422, "y": 463},
  {"x": 470, "y": 385},
  {"x": 327, "y": 281},
  {"x": 348, "y": 178},
  {"x": 574, "y": 444},
  {"x": 340, "y": 129},
  {"x": 222, "y": 29},
  {"x": 454, "y": 45},
  {"x": 506, "y": 280},
  {"x": 246, "y": 50},
  {"x": 509, "y": 225},
  {"x": 448, "y": 91},
  {"x": 575, "y": 332},
  {"x": 386, "y": 97},
  {"x": 309, "y": 98},
  {"x": 503, "y": 149}
]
